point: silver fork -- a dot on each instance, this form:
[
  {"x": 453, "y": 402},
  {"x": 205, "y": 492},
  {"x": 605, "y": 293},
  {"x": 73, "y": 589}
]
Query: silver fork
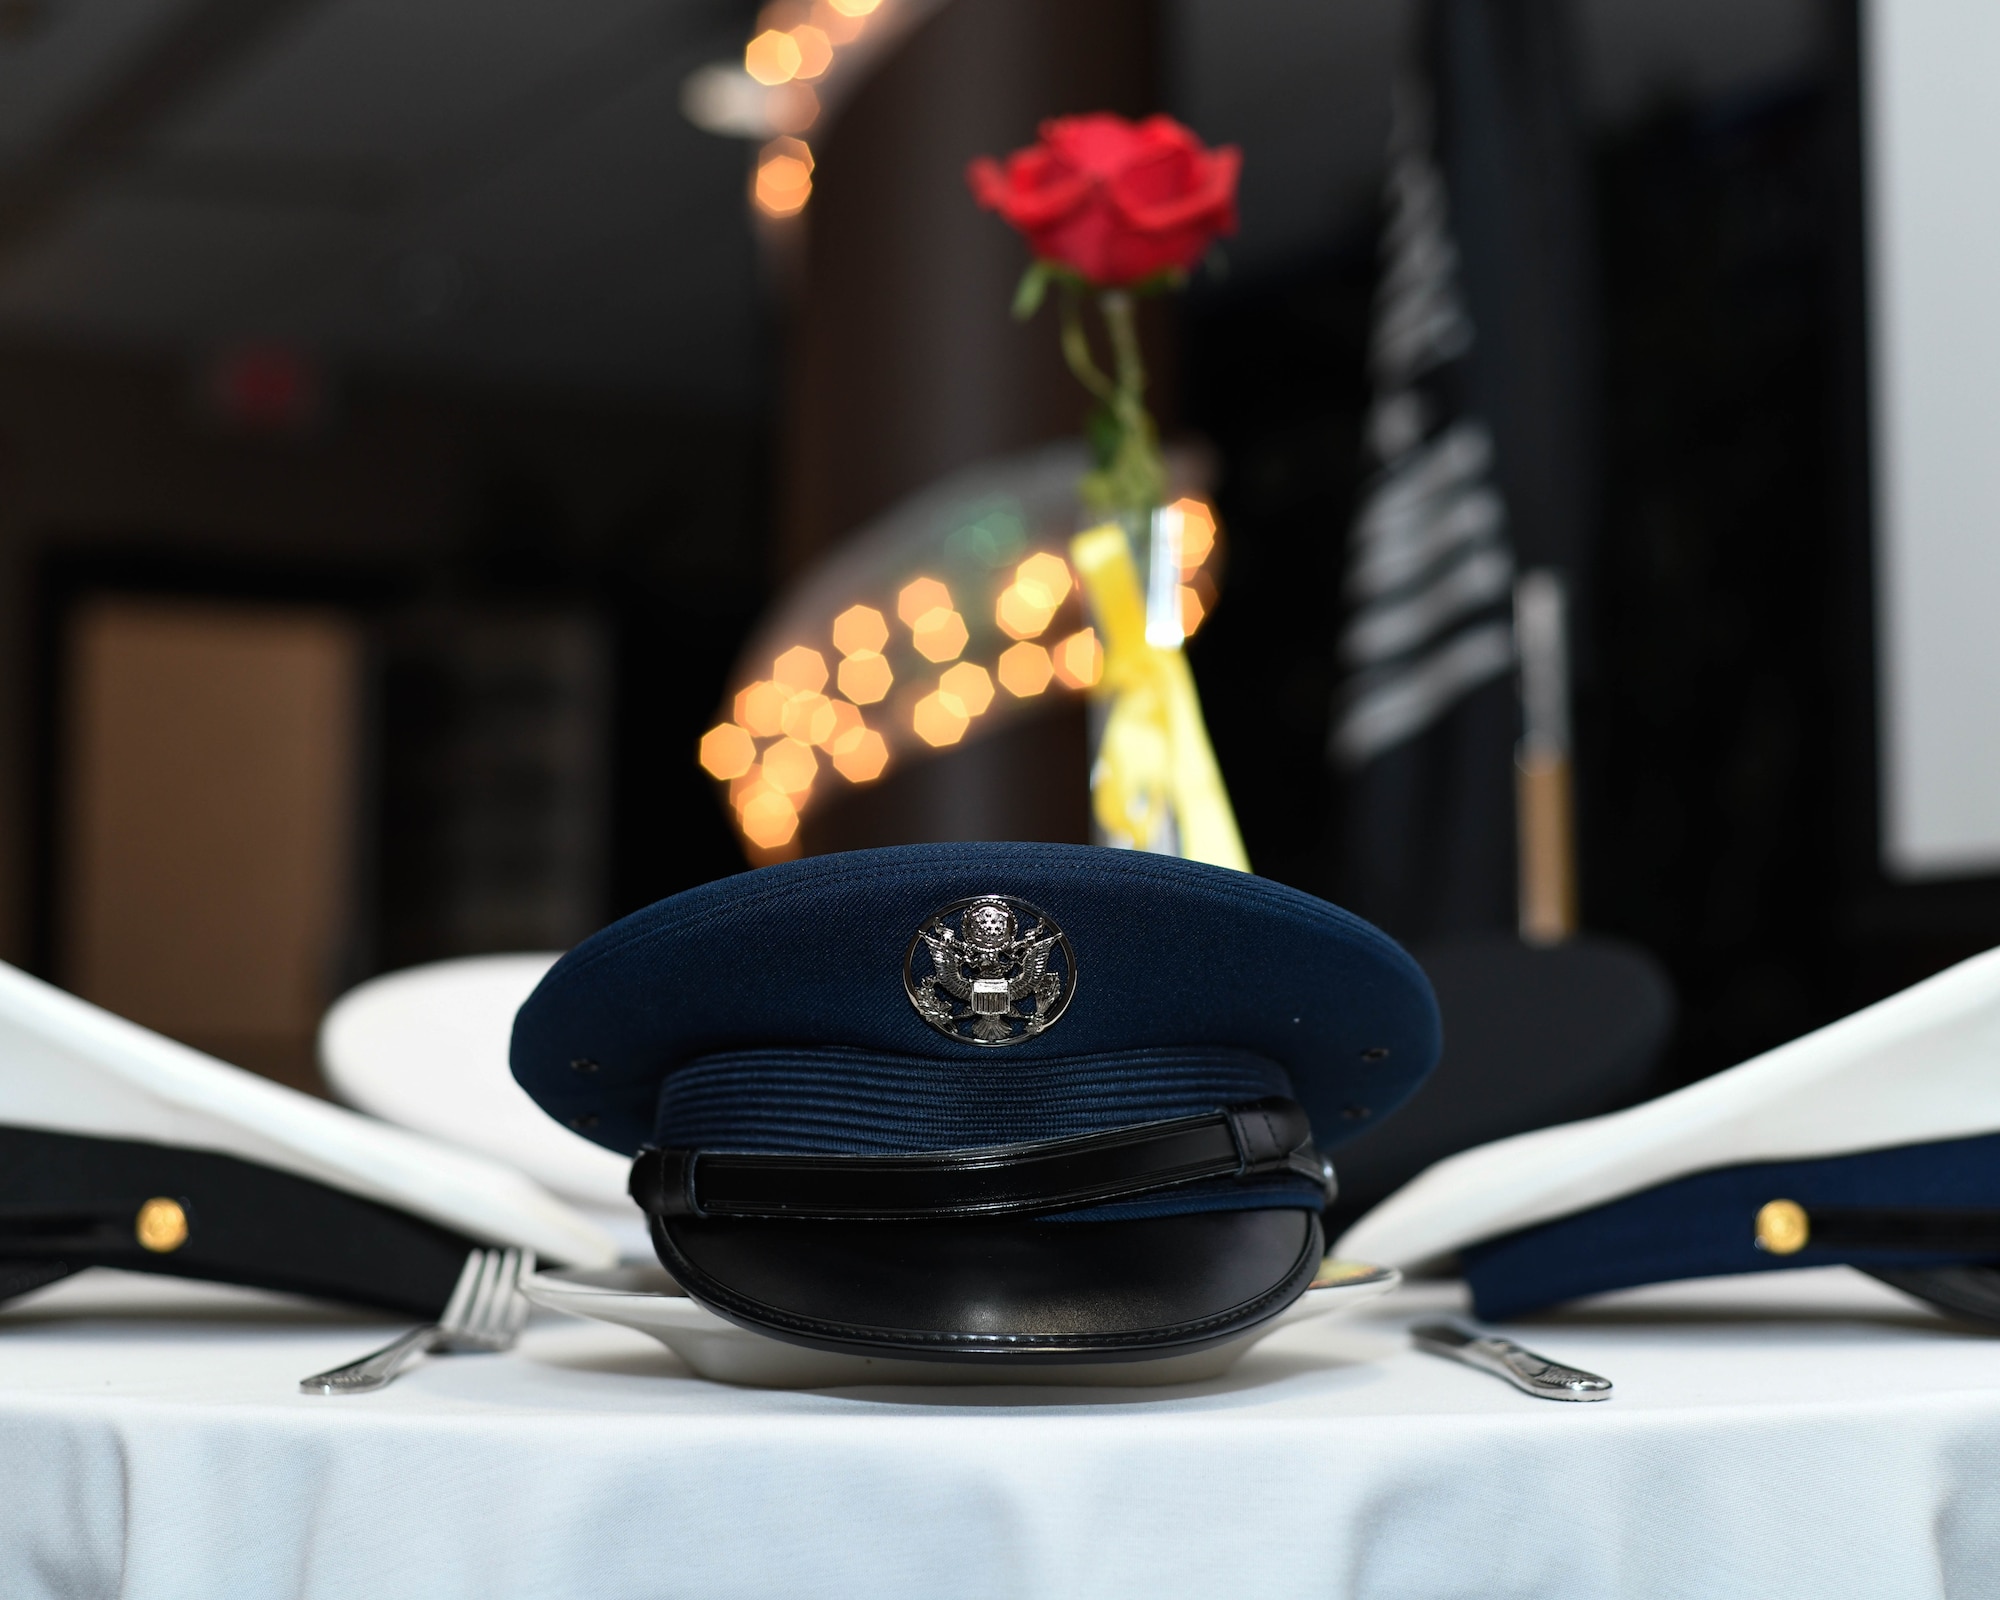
[{"x": 485, "y": 1313}]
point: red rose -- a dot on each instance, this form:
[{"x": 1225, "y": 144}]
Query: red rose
[{"x": 1112, "y": 200}]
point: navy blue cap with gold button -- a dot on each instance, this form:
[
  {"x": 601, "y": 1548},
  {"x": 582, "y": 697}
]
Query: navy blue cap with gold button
[
  {"x": 1018, "y": 1102},
  {"x": 1873, "y": 1143}
]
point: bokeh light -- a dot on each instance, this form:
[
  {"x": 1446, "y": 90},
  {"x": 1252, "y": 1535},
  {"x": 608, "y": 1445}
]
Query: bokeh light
[
  {"x": 761, "y": 709},
  {"x": 840, "y": 26},
  {"x": 1079, "y": 661},
  {"x": 865, "y": 677},
  {"x": 800, "y": 669},
  {"x": 808, "y": 718},
  {"x": 1192, "y": 610},
  {"x": 815, "y": 50},
  {"x": 860, "y": 628},
  {"x": 1025, "y": 669},
  {"x": 939, "y": 718},
  {"x": 855, "y": 8},
  {"x": 790, "y": 767},
  {"x": 773, "y": 57},
  {"x": 1044, "y": 579},
  {"x": 1028, "y": 605},
  {"x": 939, "y": 635},
  {"x": 1018, "y": 614},
  {"x": 768, "y": 819},
  {"x": 865, "y": 759},
  {"x": 919, "y": 598},
  {"x": 791, "y": 107},
  {"x": 784, "y": 178},
  {"x": 727, "y": 751},
  {"x": 1197, "y": 532},
  {"x": 847, "y": 728},
  {"x": 970, "y": 684}
]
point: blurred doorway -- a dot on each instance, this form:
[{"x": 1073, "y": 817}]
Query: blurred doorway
[
  {"x": 206, "y": 861},
  {"x": 260, "y": 786}
]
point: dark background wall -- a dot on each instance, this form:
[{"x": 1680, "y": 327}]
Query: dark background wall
[
  {"x": 550, "y": 590},
  {"x": 564, "y": 378},
  {"x": 1726, "y": 735}
]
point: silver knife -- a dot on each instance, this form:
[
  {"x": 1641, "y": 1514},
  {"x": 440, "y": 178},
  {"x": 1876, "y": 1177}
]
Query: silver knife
[{"x": 1526, "y": 1371}]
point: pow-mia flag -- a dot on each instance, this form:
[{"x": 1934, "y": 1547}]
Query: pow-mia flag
[{"x": 1479, "y": 434}]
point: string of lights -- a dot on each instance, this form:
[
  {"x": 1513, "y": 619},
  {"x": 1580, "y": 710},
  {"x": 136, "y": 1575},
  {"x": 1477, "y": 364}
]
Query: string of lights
[
  {"x": 802, "y": 60},
  {"x": 912, "y": 671}
]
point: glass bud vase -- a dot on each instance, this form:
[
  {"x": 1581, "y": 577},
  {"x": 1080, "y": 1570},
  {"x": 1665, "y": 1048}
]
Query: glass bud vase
[{"x": 1154, "y": 782}]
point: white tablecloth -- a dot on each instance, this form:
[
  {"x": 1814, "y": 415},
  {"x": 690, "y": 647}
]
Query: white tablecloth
[{"x": 1801, "y": 1434}]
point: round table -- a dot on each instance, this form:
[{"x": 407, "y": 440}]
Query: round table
[{"x": 1804, "y": 1434}]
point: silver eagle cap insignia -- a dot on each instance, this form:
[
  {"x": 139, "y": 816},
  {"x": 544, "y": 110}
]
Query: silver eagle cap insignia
[{"x": 1000, "y": 970}]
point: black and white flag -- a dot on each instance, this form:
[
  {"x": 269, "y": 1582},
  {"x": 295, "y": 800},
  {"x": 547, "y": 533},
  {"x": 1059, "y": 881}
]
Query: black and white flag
[{"x": 1479, "y": 435}]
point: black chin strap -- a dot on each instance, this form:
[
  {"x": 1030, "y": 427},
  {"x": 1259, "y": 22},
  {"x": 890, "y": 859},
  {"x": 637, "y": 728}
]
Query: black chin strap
[{"x": 1263, "y": 1139}]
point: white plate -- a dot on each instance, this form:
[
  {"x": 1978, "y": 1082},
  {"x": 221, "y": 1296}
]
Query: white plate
[
  {"x": 645, "y": 1298},
  {"x": 426, "y": 1048}
]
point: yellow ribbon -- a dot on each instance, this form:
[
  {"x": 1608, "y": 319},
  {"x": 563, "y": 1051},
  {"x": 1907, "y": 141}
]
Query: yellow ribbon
[{"x": 1155, "y": 784}]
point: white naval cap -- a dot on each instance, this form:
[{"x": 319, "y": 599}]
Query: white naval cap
[
  {"x": 1918, "y": 1068},
  {"x": 70, "y": 1067},
  {"x": 426, "y": 1048}
]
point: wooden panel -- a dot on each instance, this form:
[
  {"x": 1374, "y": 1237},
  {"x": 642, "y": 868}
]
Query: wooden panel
[{"x": 210, "y": 793}]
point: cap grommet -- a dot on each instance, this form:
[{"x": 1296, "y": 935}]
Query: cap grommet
[
  {"x": 583, "y": 1064},
  {"x": 161, "y": 1226},
  {"x": 1783, "y": 1228},
  {"x": 1376, "y": 1052}
]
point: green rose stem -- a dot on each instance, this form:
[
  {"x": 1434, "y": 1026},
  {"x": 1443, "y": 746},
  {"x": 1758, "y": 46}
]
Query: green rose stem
[{"x": 1129, "y": 479}]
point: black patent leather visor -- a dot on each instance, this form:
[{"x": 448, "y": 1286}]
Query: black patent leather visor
[
  {"x": 1008, "y": 1291},
  {"x": 953, "y": 1256}
]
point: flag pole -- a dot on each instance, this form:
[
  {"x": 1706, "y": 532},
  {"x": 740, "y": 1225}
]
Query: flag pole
[{"x": 1545, "y": 811}]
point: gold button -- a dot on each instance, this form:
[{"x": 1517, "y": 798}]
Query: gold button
[
  {"x": 161, "y": 1226},
  {"x": 1783, "y": 1227}
]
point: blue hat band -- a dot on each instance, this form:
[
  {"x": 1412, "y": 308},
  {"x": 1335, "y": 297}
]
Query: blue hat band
[
  {"x": 781, "y": 1101},
  {"x": 1705, "y": 1225},
  {"x": 789, "y": 1101}
]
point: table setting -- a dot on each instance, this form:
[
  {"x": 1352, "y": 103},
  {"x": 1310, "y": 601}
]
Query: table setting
[
  {"x": 1796, "y": 1434},
  {"x": 850, "y": 1369}
]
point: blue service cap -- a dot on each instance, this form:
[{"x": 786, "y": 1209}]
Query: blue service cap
[{"x": 864, "y": 1089}]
